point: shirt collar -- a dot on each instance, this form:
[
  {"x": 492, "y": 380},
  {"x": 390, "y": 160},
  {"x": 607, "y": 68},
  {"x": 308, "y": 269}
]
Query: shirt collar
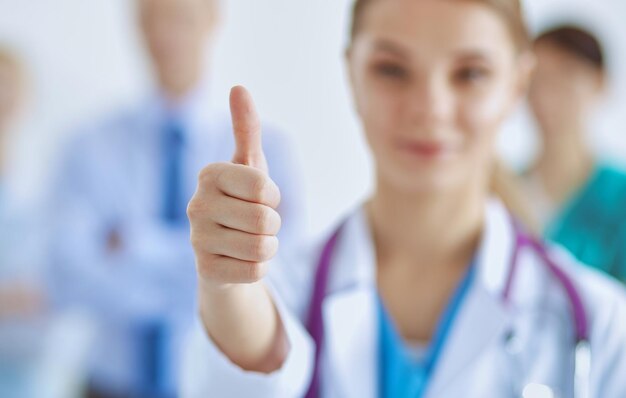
[{"x": 192, "y": 111}]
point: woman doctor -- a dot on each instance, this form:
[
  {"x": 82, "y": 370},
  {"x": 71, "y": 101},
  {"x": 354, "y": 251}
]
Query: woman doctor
[{"x": 429, "y": 289}]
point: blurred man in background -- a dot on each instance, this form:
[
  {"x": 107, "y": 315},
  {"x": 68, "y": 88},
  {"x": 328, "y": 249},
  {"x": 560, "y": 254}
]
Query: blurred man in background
[
  {"x": 120, "y": 242},
  {"x": 578, "y": 197}
]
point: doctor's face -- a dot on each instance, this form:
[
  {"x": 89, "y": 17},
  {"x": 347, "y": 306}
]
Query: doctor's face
[
  {"x": 176, "y": 33},
  {"x": 564, "y": 90},
  {"x": 433, "y": 80}
]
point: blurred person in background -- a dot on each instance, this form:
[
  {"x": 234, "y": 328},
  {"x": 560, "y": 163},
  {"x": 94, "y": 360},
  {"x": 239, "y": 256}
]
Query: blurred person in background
[
  {"x": 120, "y": 242},
  {"x": 578, "y": 198},
  {"x": 40, "y": 355},
  {"x": 21, "y": 300},
  {"x": 18, "y": 295}
]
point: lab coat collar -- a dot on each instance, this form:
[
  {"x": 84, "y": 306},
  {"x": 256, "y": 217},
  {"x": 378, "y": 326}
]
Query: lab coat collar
[
  {"x": 355, "y": 257},
  {"x": 496, "y": 248},
  {"x": 350, "y": 307}
]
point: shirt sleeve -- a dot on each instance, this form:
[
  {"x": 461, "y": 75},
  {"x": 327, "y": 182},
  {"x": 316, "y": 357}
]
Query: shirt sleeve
[{"x": 208, "y": 372}]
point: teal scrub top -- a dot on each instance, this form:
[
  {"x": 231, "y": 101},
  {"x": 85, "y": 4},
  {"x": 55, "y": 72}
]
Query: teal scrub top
[
  {"x": 592, "y": 225},
  {"x": 399, "y": 375}
]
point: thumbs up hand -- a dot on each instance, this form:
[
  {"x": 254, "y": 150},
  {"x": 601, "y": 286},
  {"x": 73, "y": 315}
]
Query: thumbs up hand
[{"x": 233, "y": 214}]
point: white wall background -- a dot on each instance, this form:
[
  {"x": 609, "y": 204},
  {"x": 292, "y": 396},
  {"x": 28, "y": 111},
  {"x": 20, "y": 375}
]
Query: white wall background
[{"x": 85, "y": 60}]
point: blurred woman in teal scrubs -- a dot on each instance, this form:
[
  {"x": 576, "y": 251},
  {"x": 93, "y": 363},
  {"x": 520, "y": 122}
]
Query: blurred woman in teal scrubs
[{"x": 578, "y": 198}]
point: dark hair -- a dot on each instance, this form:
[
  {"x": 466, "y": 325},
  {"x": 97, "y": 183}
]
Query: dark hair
[
  {"x": 576, "y": 41},
  {"x": 509, "y": 10}
]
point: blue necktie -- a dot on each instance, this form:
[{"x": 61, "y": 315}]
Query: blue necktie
[
  {"x": 174, "y": 206},
  {"x": 155, "y": 358},
  {"x": 153, "y": 335}
]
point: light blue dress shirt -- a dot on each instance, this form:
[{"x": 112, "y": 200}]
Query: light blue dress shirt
[
  {"x": 111, "y": 251},
  {"x": 21, "y": 337},
  {"x": 20, "y": 239}
]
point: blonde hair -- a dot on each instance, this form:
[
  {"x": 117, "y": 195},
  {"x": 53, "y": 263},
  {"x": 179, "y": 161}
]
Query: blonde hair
[
  {"x": 507, "y": 186},
  {"x": 510, "y": 10}
]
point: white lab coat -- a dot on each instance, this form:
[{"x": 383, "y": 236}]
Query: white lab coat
[{"x": 473, "y": 362}]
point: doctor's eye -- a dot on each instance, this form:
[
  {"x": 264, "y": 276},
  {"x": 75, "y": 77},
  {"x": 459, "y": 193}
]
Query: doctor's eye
[
  {"x": 471, "y": 75},
  {"x": 391, "y": 71}
]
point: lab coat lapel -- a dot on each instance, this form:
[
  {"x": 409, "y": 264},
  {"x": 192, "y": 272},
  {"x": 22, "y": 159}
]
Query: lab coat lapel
[
  {"x": 350, "y": 313},
  {"x": 483, "y": 318},
  {"x": 352, "y": 343},
  {"x": 482, "y": 322}
]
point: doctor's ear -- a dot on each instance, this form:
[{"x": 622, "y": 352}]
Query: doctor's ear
[{"x": 602, "y": 82}]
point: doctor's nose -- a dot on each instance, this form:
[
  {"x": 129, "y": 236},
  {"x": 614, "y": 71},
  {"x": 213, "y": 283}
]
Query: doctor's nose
[{"x": 430, "y": 103}]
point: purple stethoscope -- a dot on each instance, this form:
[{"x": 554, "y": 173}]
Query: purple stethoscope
[{"x": 582, "y": 357}]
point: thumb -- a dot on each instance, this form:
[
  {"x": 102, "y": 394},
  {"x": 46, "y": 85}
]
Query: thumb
[{"x": 247, "y": 130}]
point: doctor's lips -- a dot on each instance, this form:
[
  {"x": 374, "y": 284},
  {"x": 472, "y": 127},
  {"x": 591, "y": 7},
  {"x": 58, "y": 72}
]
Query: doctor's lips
[{"x": 425, "y": 149}]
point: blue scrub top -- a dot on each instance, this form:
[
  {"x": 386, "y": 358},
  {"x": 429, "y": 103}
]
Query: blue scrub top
[
  {"x": 399, "y": 375},
  {"x": 592, "y": 225}
]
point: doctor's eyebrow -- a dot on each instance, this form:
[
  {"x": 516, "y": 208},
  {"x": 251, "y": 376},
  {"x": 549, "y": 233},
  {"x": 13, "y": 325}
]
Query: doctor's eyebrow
[
  {"x": 473, "y": 55},
  {"x": 382, "y": 45},
  {"x": 462, "y": 55}
]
